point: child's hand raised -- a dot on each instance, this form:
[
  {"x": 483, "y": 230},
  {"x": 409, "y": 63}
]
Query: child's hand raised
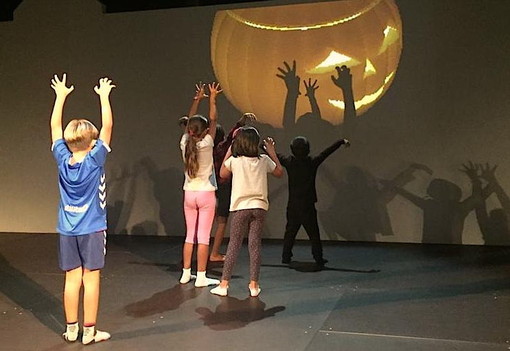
[
  {"x": 200, "y": 91},
  {"x": 214, "y": 89},
  {"x": 269, "y": 146},
  {"x": 105, "y": 87},
  {"x": 60, "y": 86}
]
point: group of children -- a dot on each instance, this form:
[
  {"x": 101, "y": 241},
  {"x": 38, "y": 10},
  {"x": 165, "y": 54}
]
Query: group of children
[{"x": 223, "y": 176}]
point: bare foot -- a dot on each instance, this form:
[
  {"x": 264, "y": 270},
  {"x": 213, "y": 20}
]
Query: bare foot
[{"x": 217, "y": 258}]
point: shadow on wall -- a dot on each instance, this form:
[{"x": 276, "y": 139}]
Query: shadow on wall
[
  {"x": 494, "y": 224},
  {"x": 166, "y": 189},
  {"x": 359, "y": 209},
  {"x": 123, "y": 186},
  {"x": 324, "y": 131}
]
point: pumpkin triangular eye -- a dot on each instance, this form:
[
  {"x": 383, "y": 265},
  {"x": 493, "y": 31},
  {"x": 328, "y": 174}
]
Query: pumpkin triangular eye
[
  {"x": 369, "y": 69},
  {"x": 391, "y": 36},
  {"x": 334, "y": 59}
]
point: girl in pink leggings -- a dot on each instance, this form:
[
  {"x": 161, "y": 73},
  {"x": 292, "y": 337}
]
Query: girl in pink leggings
[
  {"x": 248, "y": 203},
  {"x": 199, "y": 188}
]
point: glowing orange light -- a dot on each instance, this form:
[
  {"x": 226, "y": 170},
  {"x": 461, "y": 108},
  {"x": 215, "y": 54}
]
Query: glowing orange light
[{"x": 247, "y": 46}]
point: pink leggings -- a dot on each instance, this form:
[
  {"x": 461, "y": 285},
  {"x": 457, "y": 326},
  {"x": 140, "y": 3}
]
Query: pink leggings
[{"x": 199, "y": 208}]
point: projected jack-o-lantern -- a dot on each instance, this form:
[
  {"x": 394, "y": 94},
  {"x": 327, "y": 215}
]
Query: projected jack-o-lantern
[{"x": 247, "y": 46}]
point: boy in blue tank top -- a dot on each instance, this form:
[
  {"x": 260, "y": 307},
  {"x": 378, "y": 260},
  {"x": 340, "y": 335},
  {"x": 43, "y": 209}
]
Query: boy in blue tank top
[{"x": 80, "y": 152}]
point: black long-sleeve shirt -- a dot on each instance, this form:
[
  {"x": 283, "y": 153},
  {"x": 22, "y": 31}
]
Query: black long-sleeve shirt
[{"x": 302, "y": 173}]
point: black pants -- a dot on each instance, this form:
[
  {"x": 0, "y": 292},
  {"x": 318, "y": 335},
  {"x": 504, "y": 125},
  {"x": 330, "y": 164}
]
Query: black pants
[{"x": 306, "y": 217}]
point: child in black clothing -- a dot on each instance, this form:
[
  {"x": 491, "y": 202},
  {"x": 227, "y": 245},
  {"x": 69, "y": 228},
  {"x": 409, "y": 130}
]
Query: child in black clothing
[{"x": 302, "y": 170}]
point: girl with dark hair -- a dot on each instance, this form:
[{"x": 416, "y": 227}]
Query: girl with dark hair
[
  {"x": 249, "y": 203},
  {"x": 199, "y": 188},
  {"x": 221, "y": 146}
]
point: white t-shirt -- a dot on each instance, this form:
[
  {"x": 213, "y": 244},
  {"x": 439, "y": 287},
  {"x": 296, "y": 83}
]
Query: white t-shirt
[
  {"x": 249, "y": 181},
  {"x": 205, "y": 179}
]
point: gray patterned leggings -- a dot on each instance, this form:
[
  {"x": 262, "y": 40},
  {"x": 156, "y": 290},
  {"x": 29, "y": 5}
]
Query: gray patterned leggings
[{"x": 241, "y": 222}]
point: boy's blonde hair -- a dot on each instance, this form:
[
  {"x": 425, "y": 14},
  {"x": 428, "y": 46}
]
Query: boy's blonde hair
[{"x": 79, "y": 134}]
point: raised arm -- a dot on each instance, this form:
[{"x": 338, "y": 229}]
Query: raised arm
[
  {"x": 61, "y": 92},
  {"x": 199, "y": 95},
  {"x": 310, "y": 93},
  {"x": 291, "y": 80},
  {"x": 415, "y": 199},
  {"x": 269, "y": 146},
  {"x": 489, "y": 174},
  {"x": 103, "y": 90},
  {"x": 214, "y": 90},
  {"x": 400, "y": 180},
  {"x": 482, "y": 216},
  {"x": 225, "y": 173},
  {"x": 344, "y": 82},
  {"x": 329, "y": 150},
  {"x": 476, "y": 198}
]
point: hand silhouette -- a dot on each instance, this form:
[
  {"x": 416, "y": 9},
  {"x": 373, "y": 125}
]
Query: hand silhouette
[
  {"x": 471, "y": 170},
  {"x": 290, "y": 78},
  {"x": 488, "y": 173},
  {"x": 310, "y": 87},
  {"x": 344, "y": 79}
]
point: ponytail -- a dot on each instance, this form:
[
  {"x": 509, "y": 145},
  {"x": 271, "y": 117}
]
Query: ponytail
[
  {"x": 197, "y": 126},
  {"x": 191, "y": 157}
]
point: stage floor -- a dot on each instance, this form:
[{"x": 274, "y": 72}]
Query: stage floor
[{"x": 375, "y": 296}]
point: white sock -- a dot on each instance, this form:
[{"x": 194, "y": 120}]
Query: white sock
[
  {"x": 71, "y": 333},
  {"x": 202, "y": 280},
  {"x": 90, "y": 334},
  {"x": 186, "y": 275},
  {"x": 220, "y": 291}
]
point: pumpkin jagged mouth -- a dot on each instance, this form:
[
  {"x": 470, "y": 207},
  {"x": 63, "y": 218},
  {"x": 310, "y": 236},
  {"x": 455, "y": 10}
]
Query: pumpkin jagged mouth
[{"x": 367, "y": 99}]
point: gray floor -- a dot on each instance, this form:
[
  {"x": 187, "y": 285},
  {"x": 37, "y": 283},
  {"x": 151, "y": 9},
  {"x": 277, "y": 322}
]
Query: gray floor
[{"x": 369, "y": 297}]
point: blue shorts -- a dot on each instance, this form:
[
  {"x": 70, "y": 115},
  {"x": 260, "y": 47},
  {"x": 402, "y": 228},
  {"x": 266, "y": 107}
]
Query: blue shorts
[{"x": 85, "y": 251}]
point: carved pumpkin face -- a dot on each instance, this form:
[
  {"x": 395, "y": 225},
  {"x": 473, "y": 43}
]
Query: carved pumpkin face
[{"x": 248, "y": 45}]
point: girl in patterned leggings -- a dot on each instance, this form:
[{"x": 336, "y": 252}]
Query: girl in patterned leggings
[{"x": 248, "y": 202}]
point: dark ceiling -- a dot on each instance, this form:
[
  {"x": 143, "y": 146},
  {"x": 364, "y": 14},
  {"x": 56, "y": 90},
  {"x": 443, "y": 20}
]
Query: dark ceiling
[
  {"x": 140, "y": 5},
  {"x": 8, "y": 7}
]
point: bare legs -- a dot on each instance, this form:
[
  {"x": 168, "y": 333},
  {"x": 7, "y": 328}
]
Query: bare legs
[
  {"x": 221, "y": 225},
  {"x": 187, "y": 253},
  {"x": 202, "y": 256},
  {"x": 91, "y": 287},
  {"x": 72, "y": 287}
]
